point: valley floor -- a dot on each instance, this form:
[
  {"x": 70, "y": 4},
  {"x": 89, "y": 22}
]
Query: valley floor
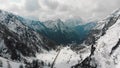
[{"x": 65, "y": 59}]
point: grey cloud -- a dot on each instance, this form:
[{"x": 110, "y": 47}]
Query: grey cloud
[
  {"x": 64, "y": 9},
  {"x": 32, "y": 5},
  {"x": 55, "y": 9},
  {"x": 51, "y": 4},
  {"x": 104, "y": 8}
]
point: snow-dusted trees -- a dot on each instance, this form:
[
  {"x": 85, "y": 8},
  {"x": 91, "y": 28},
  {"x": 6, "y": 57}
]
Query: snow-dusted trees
[{"x": 35, "y": 64}]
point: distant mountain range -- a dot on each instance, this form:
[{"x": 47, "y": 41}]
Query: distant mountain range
[{"x": 70, "y": 31}]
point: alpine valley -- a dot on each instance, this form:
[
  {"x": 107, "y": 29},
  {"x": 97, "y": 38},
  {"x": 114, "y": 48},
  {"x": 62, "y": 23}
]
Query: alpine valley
[{"x": 72, "y": 43}]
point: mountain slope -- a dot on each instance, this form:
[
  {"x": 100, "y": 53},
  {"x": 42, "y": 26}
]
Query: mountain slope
[
  {"x": 22, "y": 44},
  {"x": 105, "y": 49},
  {"x": 17, "y": 40},
  {"x": 62, "y": 32}
]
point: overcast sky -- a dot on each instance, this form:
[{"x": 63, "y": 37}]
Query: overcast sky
[{"x": 63, "y": 9}]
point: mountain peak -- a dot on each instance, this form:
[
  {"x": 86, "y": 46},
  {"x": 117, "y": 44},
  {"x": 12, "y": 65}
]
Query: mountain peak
[{"x": 116, "y": 12}]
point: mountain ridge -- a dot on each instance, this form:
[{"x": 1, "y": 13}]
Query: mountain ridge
[{"x": 103, "y": 47}]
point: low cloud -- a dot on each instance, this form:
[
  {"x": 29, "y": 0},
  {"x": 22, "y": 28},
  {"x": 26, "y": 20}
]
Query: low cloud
[
  {"x": 63, "y": 9},
  {"x": 32, "y": 5}
]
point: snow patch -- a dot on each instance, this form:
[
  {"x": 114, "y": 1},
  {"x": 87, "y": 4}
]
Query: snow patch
[{"x": 65, "y": 59}]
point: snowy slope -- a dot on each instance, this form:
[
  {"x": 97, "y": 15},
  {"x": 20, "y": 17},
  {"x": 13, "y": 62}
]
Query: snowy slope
[
  {"x": 66, "y": 58},
  {"x": 19, "y": 42},
  {"x": 5, "y": 63},
  {"x": 104, "y": 48},
  {"x": 105, "y": 52}
]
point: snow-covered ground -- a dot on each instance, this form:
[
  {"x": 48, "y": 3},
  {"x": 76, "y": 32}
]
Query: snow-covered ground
[
  {"x": 9, "y": 64},
  {"x": 102, "y": 55},
  {"x": 65, "y": 59}
]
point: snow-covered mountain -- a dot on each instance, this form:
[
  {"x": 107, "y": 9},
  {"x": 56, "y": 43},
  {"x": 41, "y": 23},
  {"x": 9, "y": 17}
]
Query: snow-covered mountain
[
  {"x": 22, "y": 44},
  {"x": 105, "y": 50},
  {"x": 22, "y": 40},
  {"x": 18, "y": 41}
]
